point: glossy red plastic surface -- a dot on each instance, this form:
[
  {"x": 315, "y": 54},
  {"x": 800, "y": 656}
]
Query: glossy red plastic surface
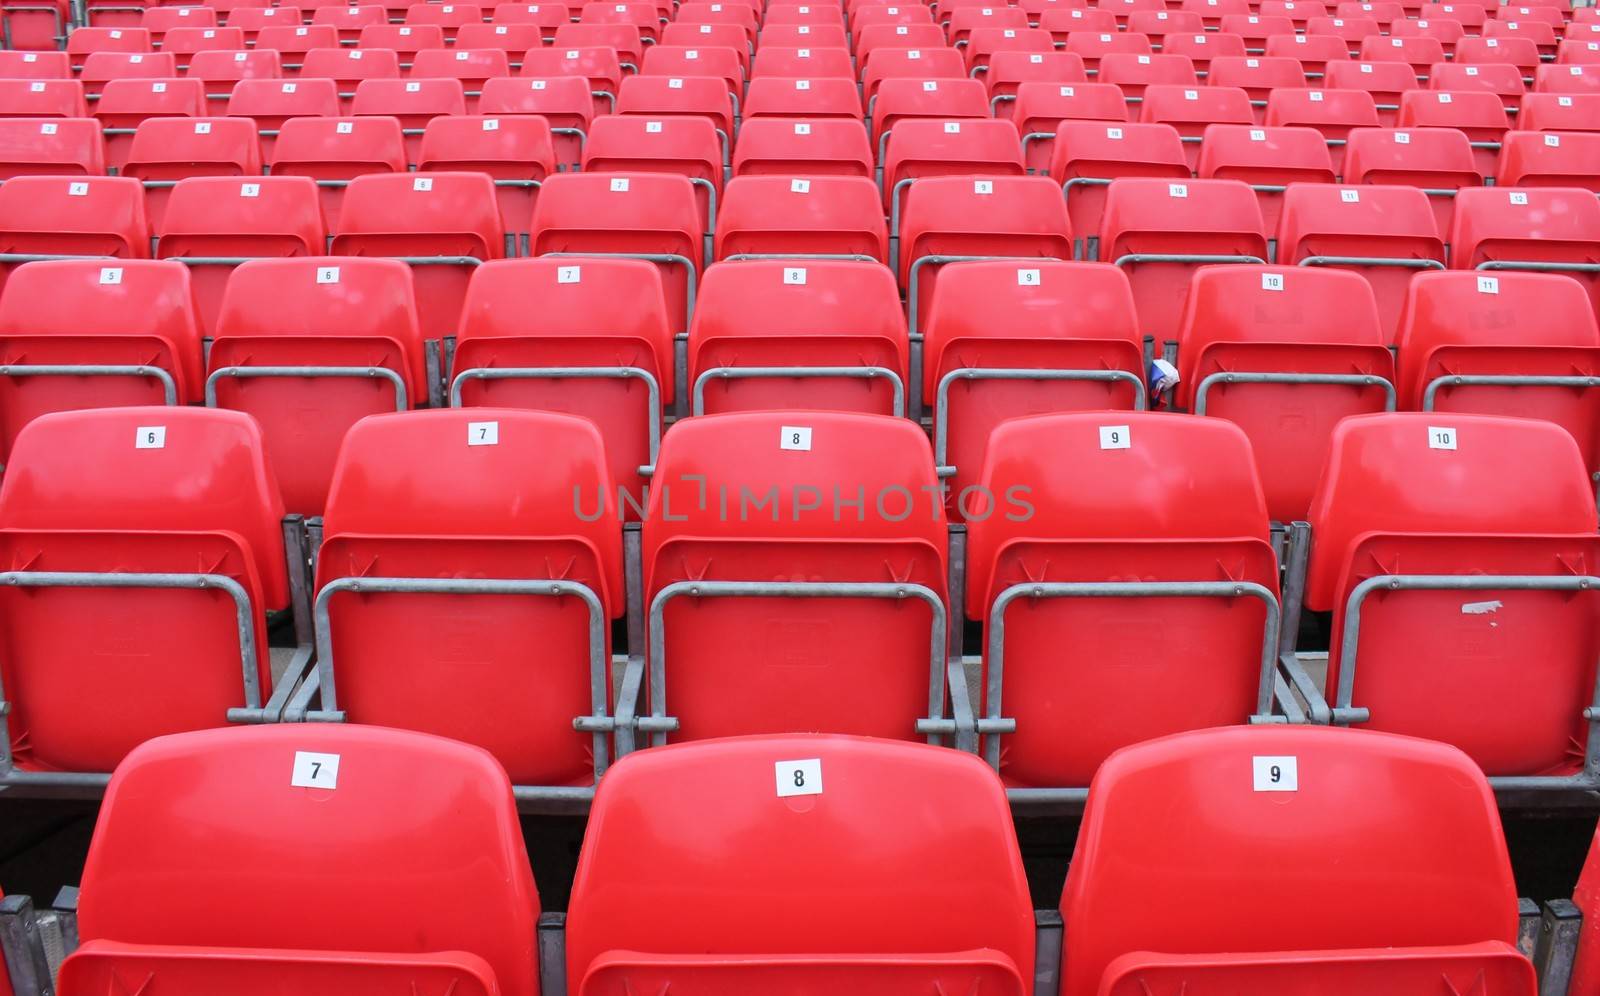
[
  {"x": 78, "y": 496},
  {"x": 1092, "y": 150},
  {"x": 924, "y": 147},
  {"x": 1288, "y": 319},
  {"x": 803, "y": 147},
  {"x": 334, "y": 148},
  {"x": 35, "y": 147},
  {"x": 1331, "y": 112},
  {"x": 740, "y": 665},
  {"x": 1192, "y": 108},
  {"x": 1180, "y": 503},
  {"x": 808, "y": 98},
  {"x": 464, "y": 666},
  {"x": 834, "y": 313},
  {"x": 1477, "y": 114},
  {"x": 416, "y": 850},
  {"x": 1387, "y": 844},
  {"x": 695, "y": 825},
  {"x": 23, "y": 98},
  {"x": 74, "y": 312},
  {"x": 92, "y": 216},
  {"x": 902, "y": 99},
  {"x": 1586, "y": 967},
  {"x": 1528, "y": 224},
  {"x": 1490, "y": 967},
  {"x": 821, "y": 215},
  {"x": 1520, "y": 664},
  {"x": 179, "y": 148}
]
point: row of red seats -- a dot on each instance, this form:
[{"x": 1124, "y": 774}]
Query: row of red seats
[{"x": 418, "y": 840}]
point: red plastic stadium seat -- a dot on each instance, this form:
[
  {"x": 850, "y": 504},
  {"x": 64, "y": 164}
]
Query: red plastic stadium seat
[
  {"x": 1567, "y": 79},
  {"x": 1445, "y": 31},
  {"x": 1380, "y": 803},
  {"x": 38, "y": 26},
  {"x": 1269, "y": 340},
  {"x": 801, "y": 98},
  {"x": 221, "y": 70},
  {"x": 1417, "y": 53},
  {"x": 641, "y": 215},
  {"x": 803, "y": 147},
  {"x": 517, "y": 152},
  {"x": 1041, "y": 108},
  {"x": 965, "y": 20},
  {"x": 1385, "y": 233},
  {"x": 101, "y": 67},
  {"x": 1133, "y": 72},
  {"x": 1549, "y": 159},
  {"x": 213, "y": 224},
  {"x": 829, "y": 35},
  {"x": 839, "y": 318},
  {"x": 348, "y": 67},
  {"x": 1157, "y": 24},
  {"x": 447, "y": 16},
  {"x": 1385, "y": 81},
  {"x": 472, "y": 67},
  {"x": 1560, "y": 112},
  {"x": 513, "y": 39},
  {"x": 1522, "y": 53},
  {"x": 773, "y": 60},
  {"x": 1257, "y": 77},
  {"x": 383, "y": 818},
  {"x": 1011, "y": 338},
  {"x": 343, "y": 317},
  {"x": 85, "y": 41},
  {"x": 718, "y": 655},
  {"x": 183, "y": 43},
  {"x": 41, "y": 147},
  {"x": 1331, "y": 112},
  {"x": 443, "y": 224},
  {"x": 565, "y": 102},
  {"x": 1008, "y": 71},
  {"x": 1192, "y": 110},
  {"x": 1458, "y": 327},
  {"x": 701, "y": 59},
  {"x": 1438, "y": 160},
  {"x": 673, "y": 96},
  {"x": 269, "y": 103},
  {"x": 249, "y": 20},
  {"x": 123, "y": 104},
  {"x": 1157, "y": 497},
  {"x": 686, "y": 146},
  {"x": 405, "y": 40},
  {"x": 1092, "y": 46},
  {"x": 1064, "y": 23},
  {"x": 1414, "y": 496},
  {"x": 293, "y": 42},
  {"x": 1551, "y": 229},
  {"x": 1204, "y": 48},
  {"x": 924, "y": 147},
  {"x": 166, "y": 150},
  {"x": 1502, "y": 80},
  {"x": 906, "y": 99},
  {"x": 333, "y": 151},
  {"x": 1159, "y": 232},
  {"x": 952, "y": 219},
  {"x": 987, "y": 43},
  {"x": 1088, "y": 156},
  {"x": 412, "y": 102},
  {"x": 135, "y": 491},
  {"x": 1213, "y": 11},
  {"x": 350, "y": 21},
  {"x": 1269, "y": 159},
  {"x": 966, "y": 931},
  {"x": 610, "y": 314},
  {"x": 1313, "y": 52},
  {"x": 623, "y": 39},
  {"x": 384, "y": 522},
  {"x": 16, "y": 65},
  {"x": 909, "y": 64},
  {"x": 46, "y": 216},
  {"x": 740, "y": 15},
  {"x": 1477, "y": 114},
  {"x": 642, "y": 18},
  {"x": 130, "y": 314},
  {"x": 1255, "y": 29},
  {"x": 815, "y": 217},
  {"x": 1352, "y": 30}
]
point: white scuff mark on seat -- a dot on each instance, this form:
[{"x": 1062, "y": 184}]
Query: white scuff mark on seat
[{"x": 1479, "y": 608}]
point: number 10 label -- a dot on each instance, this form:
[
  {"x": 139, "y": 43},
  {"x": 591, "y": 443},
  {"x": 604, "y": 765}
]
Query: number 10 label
[{"x": 799, "y": 777}]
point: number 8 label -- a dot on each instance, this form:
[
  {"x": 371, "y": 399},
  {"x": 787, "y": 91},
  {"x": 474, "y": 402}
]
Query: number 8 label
[
  {"x": 799, "y": 777},
  {"x": 795, "y": 437}
]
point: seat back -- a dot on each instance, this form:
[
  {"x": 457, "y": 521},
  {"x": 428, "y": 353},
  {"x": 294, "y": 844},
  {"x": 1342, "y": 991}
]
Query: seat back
[
  {"x": 92, "y": 216},
  {"x": 818, "y": 216},
  {"x": 1560, "y": 112},
  {"x": 1394, "y": 499},
  {"x": 170, "y": 149},
  {"x": 723, "y": 662},
  {"x": 383, "y": 818},
  {"x": 1534, "y": 324},
  {"x": 803, "y": 147},
  {"x": 333, "y": 150},
  {"x": 902, "y": 934},
  {"x": 1439, "y": 160},
  {"x": 1283, "y": 320},
  {"x": 1095, "y": 497},
  {"x": 923, "y": 147},
  {"x": 515, "y": 149},
  {"x": 801, "y": 97},
  {"x": 798, "y": 313},
  {"x": 901, "y": 99},
  {"x": 1088, "y": 154},
  {"x": 269, "y": 103},
  {"x": 1386, "y": 233},
  {"x": 1549, "y": 159},
  {"x": 1545, "y": 226},
  {"x": 686, "y": 146},
  {"x": 566, "y": 102},
  {"x": 511, "y": 514},
  {"x": 24, "y": 98},
  {"x": 220, "y": 70},
  {"x": 1313, "y": 52},
  {"x": 1266, "y": 158},
  {"x": 1477, "y": 114},
  {"x": 1331, "y": 112},
  {"x": 34, "y": 147},
  {"x": 1323, "y": 805},
  {"x": 80, "y": 312},
  {"x": 443, "y": 224},
  {"x": 405, "y": 40},
  {"x": 135, "y": 490}
]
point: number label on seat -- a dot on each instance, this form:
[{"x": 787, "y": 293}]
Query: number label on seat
[
  {"x": 1272, "y": 281},
  {"x": 1441, "y": 437},
  {"x": 483, "y": 433},
  {"x": 150, "y": 437},
  {"x": 315, "y": 771},
  {"x": 1115, "y": 437},
  {"x": 794, "y": 437},
  {"x": 1276, "y": 773},
  {"x": 799, "y": 777}
]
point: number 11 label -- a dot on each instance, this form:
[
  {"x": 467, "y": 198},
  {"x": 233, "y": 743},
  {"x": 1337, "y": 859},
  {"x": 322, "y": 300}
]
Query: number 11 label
[{"x": 799, "y": 777}]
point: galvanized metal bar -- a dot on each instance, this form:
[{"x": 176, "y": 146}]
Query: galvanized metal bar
[
  {"x": 1307, "y": 379},
  {"x": 1049, "y": 933},
  {"x": 994, "y": 721},
  {"x": 1537, "y": 267},
  {"x": 1557, "y": 947},
  {"x": 940, "y": 260},
  {"x": 1380, "y": 261},
  {"x": 23, "y": 949},
  {"x": 941, "y": 407},
  {"x": 553, "y": 954},
  {"x": 1500, "y": 380},
  {"x": 365, "y": 373},
  {"x": 558, "y": 373},
  {"x": 169, "y": 387},
  {"x": 770, "y": 373},
  {"x": 1184, "y": 257}
]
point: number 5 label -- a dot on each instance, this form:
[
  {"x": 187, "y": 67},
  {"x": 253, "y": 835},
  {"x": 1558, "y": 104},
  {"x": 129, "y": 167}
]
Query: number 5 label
[
  {"x": 1276, "y": 774},
  {"x": 799, "y": 777}
]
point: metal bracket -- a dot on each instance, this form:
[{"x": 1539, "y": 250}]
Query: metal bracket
[
  {"x": 381, "y": 373},
  {"x": 749, "y": 373},
  {"x": 169, "y": 387}
]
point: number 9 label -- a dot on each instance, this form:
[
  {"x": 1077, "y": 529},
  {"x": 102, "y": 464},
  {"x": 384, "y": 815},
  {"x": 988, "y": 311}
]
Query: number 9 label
[{"x": 1276, "y": 774}]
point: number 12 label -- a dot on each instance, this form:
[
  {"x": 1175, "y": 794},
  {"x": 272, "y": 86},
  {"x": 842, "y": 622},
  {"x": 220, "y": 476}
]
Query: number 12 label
[{"x": 799, "y": 777}]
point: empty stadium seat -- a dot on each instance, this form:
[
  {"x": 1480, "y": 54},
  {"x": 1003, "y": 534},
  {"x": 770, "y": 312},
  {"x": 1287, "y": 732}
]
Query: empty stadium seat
[
  {"x": 348, "y": 67},
  {"x": 1284, "y": 353},
  {"x": 1087, "y": 157},
  {"x": 447, "y": 16},
  {"x": 1158, "y": 232},
  {"x": 566, "y": 103},
  {"x": 350, "y": 21},
  {"x": 790, "y": 63},
  {"x": 586, "y": 337},
  {"x": 1010, "y": 338},
  {"x": 512, "y": 39},
  {"x": 1313, "y": 52},
  {"x": 16, "y": 65},
  {"x": 1382, "y": 803},
  {"x": 723, "y": 668},
  {"x": 687, "y": 146},
  {"x": 334, "y": 322},
  {"x": 444, "y": 225},
  {"x": 1499, "y": 78},
  {"x": 1192, "y": 110},
  {"x": 252, "y": 21},
  {"x": 1481, "y": 578},
  {"x": 1567, "y": 79},
  {"x": 649, "y": 216},
  {"x": 816, "y": 217},
  {"x": 213, "y": 224},
  {"x": 924, "y": 147},
  {"x": 518, "y": 153},
  {"x": 837, "y": 324},
  {"x": 333, "y": 151},
  {"x": 828, "y": 35},
  {"x": 953, "y": 219},
  {"x": 641, "y": 20},
  {"x": 799, "y": 98},
  {"x": 1385, "y": 81},
  {"x": 221, "y": 70},
  {"x": 412, "y": 102},
  {"x": 1477, "y": 114},
  {"x": 472, "y": 67},
  {"x": 1438, "y": 160},
  {"x": 1331, "y": 112},
  {"x": 622, "y": 39},
  {"x": 166, "y": 150},
  {"x": 38, "y": 26},
  {"x": 384, "y": 818},
  {"x": 133, "y": 319},
  {"x": 1008, "y": 71},
  {"x": 1041, "y": 108},
  {"x": 667, "y": 96},
  {"x": 1548, "y": 229},
  {"x": 269, "y": 103},
  {"x": 46, "y": 217},
  {"x": 101, "y": 67},
  {"x": 685, "y": 34},
  {"x": 39, "y": 147},
  {"x": 1205, "y": 49},
  {"x": 1521, "y": 53},
  {"x": 42, "y": 99},
  {"x": 1269, "y": 159},
  {"x": 968, "y": 930},
  {"x": 1387, "y": 234},
  {"x": 1461, "y": 331},
  {"x": 1134, "y": 72},
  {"x": 90, "y": 39},
  {"x": 111, "y": 496},
  {"x": 803, "y": 147},
  {"x": 930, "y": 64},
  {"x": 1418, "y": 53},
  {"x": 1102, "y": 492},
  {"x": 1560, "y": 112},
  {"x": 1549, "y": 159},
  {"x": 405, "y": 40},
  {"x": 182, "y": 43},
  {"x": 1092, "y": 47}
]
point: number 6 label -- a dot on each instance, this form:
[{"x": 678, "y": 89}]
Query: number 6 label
[{"x": 799, "y": 777}]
